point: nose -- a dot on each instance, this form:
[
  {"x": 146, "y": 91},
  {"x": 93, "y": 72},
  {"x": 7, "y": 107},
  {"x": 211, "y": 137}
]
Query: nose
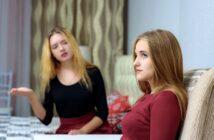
[
  {"x": 61, "y": 47},
  {"x": 136, "y": 62}
]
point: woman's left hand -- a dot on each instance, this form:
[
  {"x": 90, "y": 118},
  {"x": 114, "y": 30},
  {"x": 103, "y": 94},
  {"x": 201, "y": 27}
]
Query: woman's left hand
[{"x": 75, "y": 132}]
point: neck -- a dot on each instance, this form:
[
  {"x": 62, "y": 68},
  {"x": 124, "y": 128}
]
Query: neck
[
  {"x": 152, "y": 86},
  {"x": 66, "y": 66},
  {"x": 65, "y": 69},
  {"x": 155, "y": 88},
  {"x": 67, "y": 74}
]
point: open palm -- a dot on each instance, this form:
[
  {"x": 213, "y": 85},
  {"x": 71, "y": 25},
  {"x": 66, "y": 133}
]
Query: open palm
[{"x": 22, "y": 91}]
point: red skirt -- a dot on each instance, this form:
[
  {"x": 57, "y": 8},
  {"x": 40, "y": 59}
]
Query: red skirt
[{"x": 67, "y": 124}]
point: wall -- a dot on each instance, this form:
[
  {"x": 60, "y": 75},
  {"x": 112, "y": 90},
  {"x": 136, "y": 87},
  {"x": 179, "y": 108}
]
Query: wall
[
  {"x": 15, "y": 54},
  {"x": 191, "y": 21}
]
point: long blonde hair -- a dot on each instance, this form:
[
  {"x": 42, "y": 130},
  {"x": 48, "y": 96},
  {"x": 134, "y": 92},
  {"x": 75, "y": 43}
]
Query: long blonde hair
[
  {"x": 167, "y": 61},
  {"x": 49, "y": 64}
]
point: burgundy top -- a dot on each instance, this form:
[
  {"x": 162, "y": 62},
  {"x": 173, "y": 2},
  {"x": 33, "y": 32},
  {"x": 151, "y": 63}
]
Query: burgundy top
[{"x": 153, "y": 117}]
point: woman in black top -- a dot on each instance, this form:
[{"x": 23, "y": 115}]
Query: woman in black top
[{"x": 75, "y": 86}]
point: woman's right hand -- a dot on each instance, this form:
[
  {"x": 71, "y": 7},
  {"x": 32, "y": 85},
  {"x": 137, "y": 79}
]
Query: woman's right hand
[{"x": 21, "y": 91}]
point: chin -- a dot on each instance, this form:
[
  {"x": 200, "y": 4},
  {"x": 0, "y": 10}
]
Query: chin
[
  {"x": 142, "y": 78},
  {"x": 65, "y": 59},
  {"x": 139, "y": 78}
]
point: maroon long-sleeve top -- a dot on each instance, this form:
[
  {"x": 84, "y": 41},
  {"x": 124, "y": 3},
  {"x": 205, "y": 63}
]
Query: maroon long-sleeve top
[{"x": 153, "y": 117}]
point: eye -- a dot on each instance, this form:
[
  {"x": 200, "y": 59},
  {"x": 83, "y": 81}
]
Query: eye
[
  {"x": 54, "y": 46},
  {"x": 144, "y": 54},
  {"x": 64, "y": 42}
]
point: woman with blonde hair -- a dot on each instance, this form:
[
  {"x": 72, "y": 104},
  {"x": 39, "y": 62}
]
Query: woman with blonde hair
[
  {"x": 74, "y": 85},
  {"x": 159, "y": 113}
]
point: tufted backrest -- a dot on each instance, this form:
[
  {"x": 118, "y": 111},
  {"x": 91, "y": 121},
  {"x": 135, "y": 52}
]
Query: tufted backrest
[{"x": 124, "y": 78}]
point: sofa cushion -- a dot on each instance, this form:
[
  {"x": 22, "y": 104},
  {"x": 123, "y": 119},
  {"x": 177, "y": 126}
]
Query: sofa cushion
[{"x": 118, "y": 106}]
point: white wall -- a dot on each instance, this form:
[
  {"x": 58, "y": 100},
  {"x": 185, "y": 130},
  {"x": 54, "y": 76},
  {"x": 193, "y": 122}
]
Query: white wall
[{"x": 192, "y": 22}]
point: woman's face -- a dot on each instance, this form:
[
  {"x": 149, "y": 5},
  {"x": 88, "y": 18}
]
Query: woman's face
[
  {"x": 60, "y": 48},
  {"x": 143, "y": 67}
]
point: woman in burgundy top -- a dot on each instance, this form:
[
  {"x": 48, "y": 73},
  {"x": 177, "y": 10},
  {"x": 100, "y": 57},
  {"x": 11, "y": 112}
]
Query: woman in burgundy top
[
  {"x": 158, "y": 115},
  {"x": 75, "y": 86}
]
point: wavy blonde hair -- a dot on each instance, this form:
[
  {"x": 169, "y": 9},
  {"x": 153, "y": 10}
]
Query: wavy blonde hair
[
  {"x": 49, "y": 64},
  {"x": 167, "y": 61}
]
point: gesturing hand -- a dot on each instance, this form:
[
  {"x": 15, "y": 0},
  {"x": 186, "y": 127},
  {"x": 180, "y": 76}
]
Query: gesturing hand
[{"x": 21, "y": 91}]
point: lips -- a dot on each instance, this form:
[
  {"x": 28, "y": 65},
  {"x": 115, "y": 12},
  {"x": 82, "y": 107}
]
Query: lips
[
  {"x": 64, "y": 54},
  {"x": 137, "y": 70}
]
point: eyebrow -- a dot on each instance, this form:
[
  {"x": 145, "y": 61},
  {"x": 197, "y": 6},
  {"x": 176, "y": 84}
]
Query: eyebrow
[
  {"x": 142, "y": 51},
  {"x": 59, "y": 42},
  {"x": 63, "y": 40}
]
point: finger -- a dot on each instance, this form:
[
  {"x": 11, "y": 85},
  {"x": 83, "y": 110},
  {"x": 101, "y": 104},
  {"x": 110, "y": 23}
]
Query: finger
[
  {"x": 11, "y": 91},
  {"x": 15, "y": 91},
  {"x": 73, "y": 132}
]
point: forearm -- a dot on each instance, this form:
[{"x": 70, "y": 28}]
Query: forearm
[
  {"x": 37, "y": 107},
  {"x": 93, "y": 124}
]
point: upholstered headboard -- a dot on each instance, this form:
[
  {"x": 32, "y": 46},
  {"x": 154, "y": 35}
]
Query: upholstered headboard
[{"x": 124, "y": 78}]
